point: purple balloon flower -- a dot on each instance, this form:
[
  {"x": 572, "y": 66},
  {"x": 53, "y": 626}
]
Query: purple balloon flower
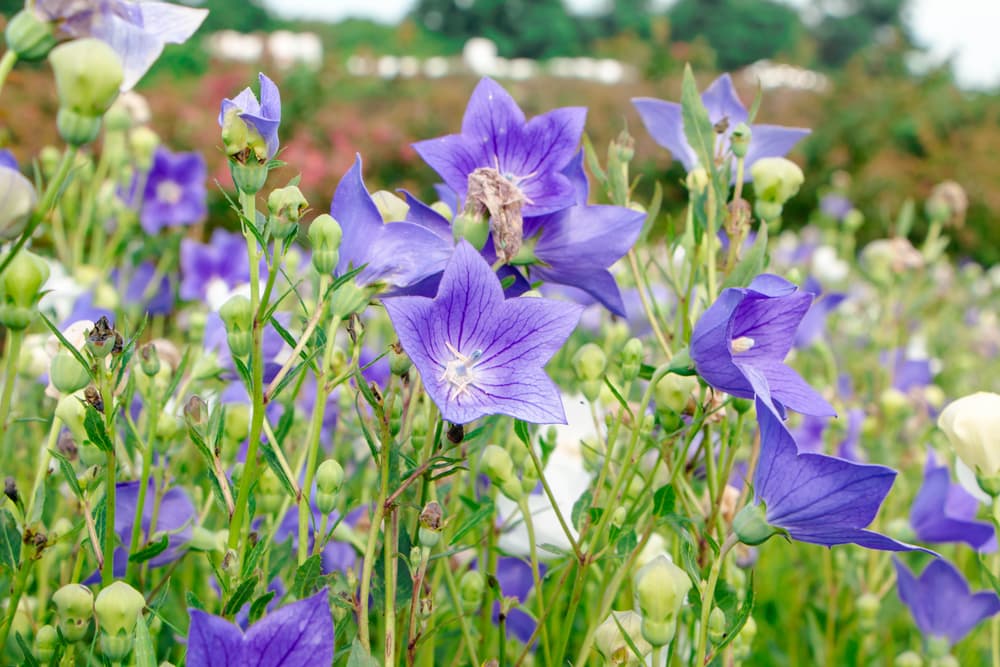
[
  {"x": 479, "y": 354},
  {"x": 664, "y": 122},
  {"x": 137, "y": 31},
  {"x": 945, "y": 512},
  {"x": 397, "y": 253},
  {"x": 175, "y": 191},
  {"x": 297, "y": 635},
  {"x": 817, "y": 498},
  {"x": 263, "y": 115},
  {"x": 940, "y": 600},
  {"x": 739, "y": 345},
  {"x": 813, "y": 325},
  {"x": 835, "y": 205},
  {"x": 516, "y": 580},
  {"x": 175, "y": 516},
  {"x": 214, "y": 267},
  {"x": 528, "y": 154}
]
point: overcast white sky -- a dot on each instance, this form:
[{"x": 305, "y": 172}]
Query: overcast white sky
[{"x": 966, "y": 29}]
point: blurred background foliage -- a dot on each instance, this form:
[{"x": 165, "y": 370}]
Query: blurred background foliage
[{"x": 895, "y": 131}]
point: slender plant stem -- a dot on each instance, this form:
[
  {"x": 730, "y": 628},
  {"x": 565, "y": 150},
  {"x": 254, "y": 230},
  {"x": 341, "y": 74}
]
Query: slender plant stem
[
  {"x": 456, "y": 602},
  {"x": 17, "y": 590},
  {"x": 108, "y": 567},
  {"x": 41, "y": 469},
  {"x": 708, "y": 597},
  {"x": 529, "y": 525},
  {"x": 647, "y": 307},
  {"x": 16, "y": 337},
  {"x": 147, "y": 458}
]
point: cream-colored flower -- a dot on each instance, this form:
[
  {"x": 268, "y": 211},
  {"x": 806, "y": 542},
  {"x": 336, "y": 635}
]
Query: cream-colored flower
[{"x": 972, "y": 424}]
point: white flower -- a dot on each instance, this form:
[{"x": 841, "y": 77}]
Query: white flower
[{"x": 972, "y": 424}]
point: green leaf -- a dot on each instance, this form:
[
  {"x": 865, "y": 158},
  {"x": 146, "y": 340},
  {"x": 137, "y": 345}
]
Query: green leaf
[
  {"x": 240, "y": 596},
  {"x": 522, "y": 433},
  {"x": 93, "y": 423},
  {"x": 145, "y": 652},
  {"x": 192, "y": 600},
  {"x": 359, "y": 657},
  {"x": 741, "y": 617},
  {"x": 28, "y": 658},
  {"x": 698, "y": 128},
  {"x": 279, "y": 471},
  {"x": 67, "y": 470},
  {"x": 10, "y": 541},
  {"x": 664, "y": 500},
  {"x": 259, "y": 606},
  {"x": 69, "y": 346},
  {"x": 308, "y": 577},
  {"x": 593, "y": 163},
  {"x": 151, "y": 550},
  {"x": 253, "y": 557},
  {"x": 481, "y": 513},
  {"x": 580, "y": 508},
  {"x": 752, "y": 264}
]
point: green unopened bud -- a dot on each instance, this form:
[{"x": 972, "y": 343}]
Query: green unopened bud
[
  {"x": 472, "y": 587},
  {"x": 673, "y": 392},
  {"x": 66, "y": 372},
  {"x": 741, "y": 405},
  {"x": 29, "y": 35},
  {"x": 472, "y": 227},
  {"x": 938, "y": 647},
  {"x": 867, "y": 605},
  {"x": 118, "y": 607},
  {"x": 74, "y": 608},
  {"x": 143, "y": 143},
  {"x": 497, "y": 464},
  {"x": 739, "y": 140},
  {"x": 631, "y": 359},
  {"x": 776, "y": 179},
  {"x": 399, "y": 361},
  {"x": 609, "y": 639},
  {"x": 46, "y": 641},
  {"x": 22, "y": 281},
  {"x": 750, "y": 525},
  {"x": 853, "y": 220},
  {"x": 589, "y": 362},
  {"x": 894, "y": 403},
  {"x": 624, "y": 146},
  {"x": 149, "y": 360},
  {"x": 908, "y": 659},
  {"x": 237, "y": 315},
  {"x": 248, "y": 177},
  {"x": 88, "y": 74},
  {"x": 71, "y": 412},
  {"x": 390, "y": 207},
  {"x": 618, "y": 517},
  {"x": 285, "y": 206},
  {"x": 660, "y": 589},
  {"x": 697, "y": 181},
  {"x": 325, "y": 235},
  {"x": 19, "y": 199},
  {"x": 716, "y": 625},
  {"x": 348, "y": 299},
  {"x": 329, "y": 476}
]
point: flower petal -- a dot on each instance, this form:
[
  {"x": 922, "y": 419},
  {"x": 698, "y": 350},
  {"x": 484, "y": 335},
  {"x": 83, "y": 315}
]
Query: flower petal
[
  {"x": 663, "y": 121},
  {"x": 722, "y": 102},
  {"x": 297, "y": 635},
  {"x": 213, "y": 642}
]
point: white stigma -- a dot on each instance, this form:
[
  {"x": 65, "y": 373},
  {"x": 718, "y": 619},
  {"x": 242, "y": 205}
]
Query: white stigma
[
  {"x": 741, "y": 344},
  {"x": 169, "y": 192},
  {"x": 460, "y": 371}
]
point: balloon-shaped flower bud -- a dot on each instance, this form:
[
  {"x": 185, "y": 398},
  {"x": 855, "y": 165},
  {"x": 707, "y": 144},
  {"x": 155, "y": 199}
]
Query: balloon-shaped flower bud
[
  {"x": 716, "y": 625},
  {"x": 775, "y": 181},
  {"x": 750, "y": 525},
  {"x": 431, "y": 523},
  {"x": 324, "y": 235},
  {"x": 660, "y": 590},
  {"x": 697, "y": 181},
  {"x": 739, "y": 140},
  {"x": 237, "y": 315},
  {"x": 46, "y": 641},
  {"x": 329, "y": 478},
  {"x": 399, "y": 361},
  {"x": 390, "y": 207},
  {"x": 22, "y": 284},
  {"x": 867, "y": 605},
  {"x": 285, "y": 206},
  {"x": 74, "y": 608},
  {"x": 29, "y": 35},
  {"x": 609, "y": 639},
  {"x": 143, "y": 142},
  {"x": 972, "y": 425},
  {"x": 88, "y": 75},
  {"x": 66, "y": 372},
  {"x": 472, "y": 588},
  {"x": 908, "y": 659},
  {"x": 497, "y": 464},
  {"x": 149, "y": 360},
  {"x": 472, "y": 226},
  {"x": 103, "y": 339},
  {"x": 589, "y": 362},
  {"x": 632, "y": 355},
  {"x": 17, "y": 201},
  {"x": 118, "y": 607}
]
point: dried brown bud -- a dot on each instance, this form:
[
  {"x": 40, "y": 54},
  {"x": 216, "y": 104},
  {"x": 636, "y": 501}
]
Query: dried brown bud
[
  {"x": 103, "y": 339},
  {"x": 738, "y": 220},
  {"x": 456, "y": 432},
  {"x": 490, "y": 191},
  {"x": 431, "y": 516},
  {"x": 93, "y": 398},
  {"x": 10, "y": 490},
  {"x": 196, "y": 410}
]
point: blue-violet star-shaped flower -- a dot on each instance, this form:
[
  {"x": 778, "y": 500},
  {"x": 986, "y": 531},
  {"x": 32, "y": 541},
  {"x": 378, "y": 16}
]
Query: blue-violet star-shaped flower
[
  {"x": 264, "y": 115},
  {"x": 941, "y": 602},
  {"x": 478, "y": 353},
  {"x": 817, "y": 498},
  {"x": 945, "y": 512},
  {"x": 665, "y": 123},
  {"x": 530, "y": 154},
  {"x": 297, "y": 635},
  {"x": 175, "y": 190},
  {"x": 137, "y": 31},
  {"x": 739, "y": 345}
]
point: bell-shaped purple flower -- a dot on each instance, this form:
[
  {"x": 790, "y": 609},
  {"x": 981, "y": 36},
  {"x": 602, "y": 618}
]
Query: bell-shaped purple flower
[
  {"x": 174, "y": 518},
  {"x": 210, "y": 270},
  {"x": 665, "y": 123},
  {"x": 479, "y": 354},
  {"x": 516, "y": 580},
  {"x": 297, "y": 635},
  {"x": 495, "y": 135},
  {"x": 813, "y": 325},
  {"x": 739, "y": 345},
  {"x": 397, "y": 253},
  {"x": 941, "y": 602},
  {"x": 263, "y": 115},
  {"x": 175, "y": 191},
  {"x": 812, "y": 497},
  {"x": 945, "y": 512},
  {"x": 137, "y": 31}
]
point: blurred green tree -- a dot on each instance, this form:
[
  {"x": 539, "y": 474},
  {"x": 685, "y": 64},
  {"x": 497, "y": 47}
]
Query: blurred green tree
[{"x": 841, "y": 34}]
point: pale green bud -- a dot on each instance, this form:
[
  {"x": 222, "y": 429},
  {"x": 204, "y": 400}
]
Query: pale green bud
[
  {"x": 285, "y": 206},
  {"x": 399, "y": 361},
  {"x": 22, "y": 281},
  {"x": 71, "y": 412},
  {"x": 88, "y": 74},
  {"x": 697, "y": 181},
  {"x": 675, "y": 391},
  {"x": 618, "y": 516},
  {"x": 472, "y": 586},
  {"x": 237, "y": 315},
  {"x": 118, "y": 607},
  {"x": 945, "y": 661},
  {"x": 497, "y": 464},
  {"x": 739, "y": 140},
  {"x": 390, "y": 207},
  {"x": 660, "y": 590},
  {"x": 610, "y": 641},
  {"x": 143, "y": 142},
  {"x": 74, "y": 607},
  {"x": 776, "y": 179},
  {"x": 868, "y": 606},
  {"x": 908, "y": 659},
  {"x": 329, "y": 476},
  {"x": 19, "y": 198},
  {"x": 631, "y": 359},
  {"x": 66, "y": 372},
  {"x": 325, "y": 235},
  {"x": 893, "y": 402},
  {"x": 29, "y": 35},
  {"x": 589, "y": 362},
  {"x": 716, "y": 625},
  {"x": 46, "y": 641},
  {"x": 750, "y": 525},
  {"x": 237, "y": 422},
  {"x": 348, "y": 299}
]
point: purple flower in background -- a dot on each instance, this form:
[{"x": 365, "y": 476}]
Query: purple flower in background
[
  {"x": 175, "y": 191},
  {"x": 515, "y": 579},
  {"x": 816, "y": 498},
  {"x": 836, "y": 206},
  {"x": 397, "y": 253},
  {"x": 664, "y": 122},
  {"x": 297, "y": 635},
  {"x": 813, "y": 325},
  {"x": 155, "y": 300},
  {"x": 910, "y": 372},
  {"x": 739, "y": 345},
  {"x": 175, "y": 517},
  {"x": 527, "y": 154},
  {"x": 945, "y": 512},
  {"x": 337, "y": 556},
  {"x": 264, "y": 115},
  {"x": 479, "y": 354},
  {"x": 210, "y": 270},
  {"x": 137, "y": 31},
  {"x": 940, "y": 601}
]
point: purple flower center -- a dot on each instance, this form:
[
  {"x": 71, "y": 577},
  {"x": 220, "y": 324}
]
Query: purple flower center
[{"x": 460, "y": 371}]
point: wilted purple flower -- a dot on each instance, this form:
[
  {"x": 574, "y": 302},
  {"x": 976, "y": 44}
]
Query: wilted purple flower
[
  {"x": 945, "y": 512},
  {"x": 664, "y": 122},
  {"x": 815, "y": 498},
  {"x": 479, "y": 354},
  {"x": 175, "y": 190},
  {"x": 739, "y": 345},
  {"x": 397, "y": 253},
  {"x": 941, "y": 602},
  {"x": 529, "y": 155},
  {"x": 297, "y": 635},
  {"x": 174, "y": 518},
  {"x": 263, "y": 115},
  {"x": 137, "y": 31},
  {"x": 209, "y": 271}
]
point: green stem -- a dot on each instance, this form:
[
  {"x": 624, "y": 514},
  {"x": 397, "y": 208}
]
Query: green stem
[
  {"x": 389, "y": 546},
  {"x": 10, "y": 373},
  {"x": 17, "y": 590},
  {"x": 6, "y": 65},
  {"x": 108, "y": 567},
  {"x": 147, "y": 458},
  {"x": 529, "y": 525},
  {"x": 364, "y": 634},
  {"x": 708, "y": 597},
  {"x": 41, "y": 470},
  {"x": 654, "y": 321},
  {"x": 456, "y": 602}
]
